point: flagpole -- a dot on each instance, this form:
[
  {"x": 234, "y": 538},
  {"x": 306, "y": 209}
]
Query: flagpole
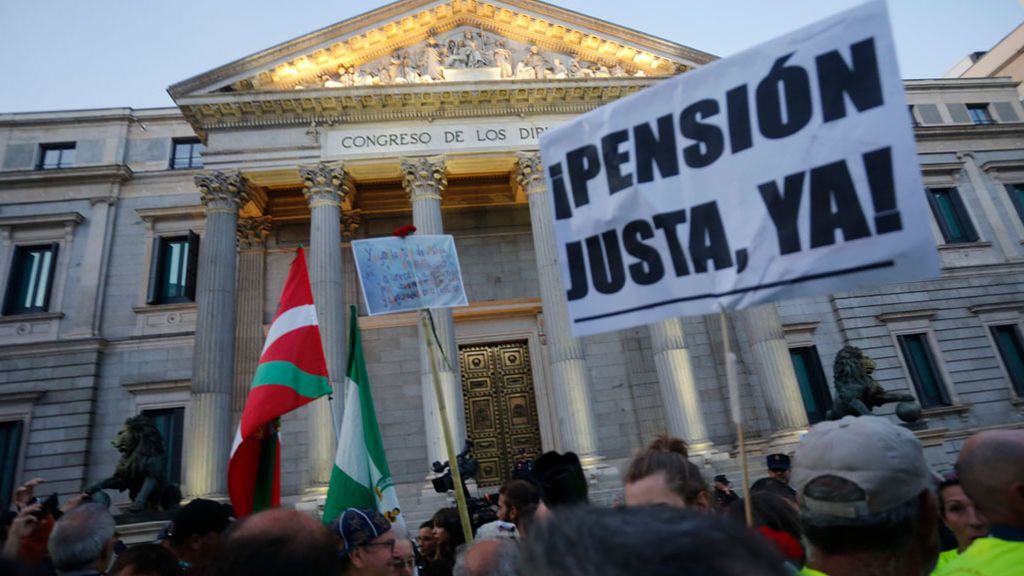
[
  {"x": 734, "y": 408},
  {"x": 442, "y": 409}
]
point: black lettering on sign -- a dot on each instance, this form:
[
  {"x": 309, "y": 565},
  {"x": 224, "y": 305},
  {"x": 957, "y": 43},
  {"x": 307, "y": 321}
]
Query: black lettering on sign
[
  {"x": 707, "y": 238},
  {"x": 614, "y": 158},
  {"x": 558, "y": 192},
  {"x": 579, "y": 285},
  {"x": 784, "y": 209},
  {"x": 654, "y": 149},
  {"x": 861, "y": 83},
  {"x": 667, "y": 222},
  {"x": 606, "y": 262},
  {"x": 709, "y": 139},
  {"x": 584, "y": 164},
  {"x": 878, "y": 165},
  {"x": 834, "y": 205},
  {"x": 649, "y": 269},
  {"x": 783, "y": 100},
  {"x": 453, "y": 136},
  {"x": 738, "y": 107}
]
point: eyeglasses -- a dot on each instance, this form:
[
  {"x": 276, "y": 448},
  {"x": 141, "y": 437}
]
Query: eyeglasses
[{"x": 390, "y": 544}]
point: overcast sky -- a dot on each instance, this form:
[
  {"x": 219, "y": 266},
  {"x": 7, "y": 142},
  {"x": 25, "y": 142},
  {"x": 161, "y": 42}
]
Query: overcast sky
[{"x": 78, "y": 54}]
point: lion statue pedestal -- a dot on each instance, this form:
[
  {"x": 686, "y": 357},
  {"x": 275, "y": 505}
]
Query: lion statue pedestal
[{"x": 140, "y": 471}]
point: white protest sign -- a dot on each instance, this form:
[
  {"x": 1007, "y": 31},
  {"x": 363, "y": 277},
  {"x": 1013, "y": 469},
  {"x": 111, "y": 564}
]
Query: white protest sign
[
  {"x": 411, "y": 273},
  {"x": 787, "y": 170}
]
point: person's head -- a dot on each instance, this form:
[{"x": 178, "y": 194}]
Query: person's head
[
  {"x": 959, "y": 514},
  {"x": 196, "y": 529},
  {"x": 404, "y": 561},
  {"x": 722, "y": 483},
  {"x": 275, "y": 542},
  {"x": 145, "y": 560},
  {"x": 425, "y": 539},
  {"x": 83, "y": 539},
  {"x": 866, "y": 498},
  {"x": 776, "y": 518},
  {"x": 447, "y": 532},
  {"x": 513, "y": 496},
  {"x": 779, "y": 466},
  {"x": 653, "y": 541},
  {"x": 997, "y": 491},
  {"x": 662, "y": 474},
  {"x": 367, "y": 542},
  {"x": 560, "y": 480},
  {"x": 487, "y": 558}
]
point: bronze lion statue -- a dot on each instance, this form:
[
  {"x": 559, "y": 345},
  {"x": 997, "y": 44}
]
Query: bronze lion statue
[
  {"x": 140, "y": 470},
  {"x": 857, "y": 392}
]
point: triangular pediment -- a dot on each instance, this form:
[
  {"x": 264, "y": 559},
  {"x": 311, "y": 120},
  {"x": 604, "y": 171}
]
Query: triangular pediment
[{"x": 426, "y": 42}]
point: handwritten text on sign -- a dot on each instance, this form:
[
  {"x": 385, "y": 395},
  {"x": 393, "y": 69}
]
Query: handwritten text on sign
[
  {"x": 787, "y": 170},
  {"x": 411, "y": 273}
]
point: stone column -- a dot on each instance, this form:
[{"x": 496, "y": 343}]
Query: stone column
[
  {"x": 325, "y": 186},
  {"x": 568, "y": 370},
  {"x": 209, "y": 434},
  {"x": 678, "y": 388},
  {"x": 424, "y": 181},
  {"x": 774, "y": 368},
  {"x": 249, "y": 291}
]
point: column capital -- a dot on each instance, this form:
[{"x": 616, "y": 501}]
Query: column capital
[
  {"x": 222, "y": 191},
  {"x": 423, "y": 177},
  {"x": 530, "y": 172},
  {"x": 324, "y": 183},
  {"x": 350, "y": 220},
  {"x": 253, "y": 232}
]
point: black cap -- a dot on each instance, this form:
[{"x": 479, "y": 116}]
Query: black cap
[
  {"x": 778, "y": 462},
  {"x": 199, "y": 517},
  {"x": 721, "y": 479}
]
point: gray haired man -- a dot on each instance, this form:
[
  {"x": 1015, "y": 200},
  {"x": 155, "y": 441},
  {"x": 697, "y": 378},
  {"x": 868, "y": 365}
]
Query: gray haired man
[
  {"x": 82, "y": 542},
  {"x": 866, "y": 499}
]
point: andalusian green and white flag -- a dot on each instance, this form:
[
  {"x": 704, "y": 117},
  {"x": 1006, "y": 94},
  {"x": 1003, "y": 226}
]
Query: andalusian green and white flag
[{"x": 361, "y": 477}]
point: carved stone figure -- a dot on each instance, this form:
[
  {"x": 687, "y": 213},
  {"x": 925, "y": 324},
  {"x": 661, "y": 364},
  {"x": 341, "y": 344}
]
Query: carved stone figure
[
  {"x": 857, "y": 392},
  {"x": 536, "y": 61},
  {"x": 576, "y": 70},
  {"x": 559, "y": 70},
  {"x": 524, "y": 72},
  {"x": 618, "y": 71},
  {"x": 432, "y": 60},
  {"x": 503, "y": 59},
  {"x": 141, "y": 467}
]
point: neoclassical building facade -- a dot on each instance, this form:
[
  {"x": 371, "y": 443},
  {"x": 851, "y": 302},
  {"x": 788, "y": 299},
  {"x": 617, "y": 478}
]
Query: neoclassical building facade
[{"x": 143, "y": 252}]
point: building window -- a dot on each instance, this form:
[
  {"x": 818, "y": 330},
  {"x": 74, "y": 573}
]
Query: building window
[
  {"x": 53, "y": 156},
  {"x": 188, "y": 153},
  {"x": 924, "y": 372},
  {"x": 951, "y": 215},
  {"x": 813, "y": 385},
  {"x": 979, "y": 113},
  {"x": 171, "y": 424},
  {"x": 10, "y": 442},
  {"x": 1011, "y": 350},
  {"x": 172, "y": 277},
  {"x": 1016, "y": 192},
  {"x": 31, "y": 279}
]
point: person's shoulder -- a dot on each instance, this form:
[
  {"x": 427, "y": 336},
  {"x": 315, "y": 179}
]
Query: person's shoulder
[{"x": 987, "y": 557}]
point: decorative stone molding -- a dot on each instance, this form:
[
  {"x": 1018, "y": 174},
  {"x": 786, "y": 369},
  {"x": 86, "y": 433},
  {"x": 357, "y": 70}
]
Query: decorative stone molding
[
  {"x": 253, "y": 232},
  {"x": 324, "y": 183},
  {"x": 530, "y": 172},
  {"x": 350, "y": 220},
  {"x": 222, "y": 191},
  {"x": 424, "y": 177}
]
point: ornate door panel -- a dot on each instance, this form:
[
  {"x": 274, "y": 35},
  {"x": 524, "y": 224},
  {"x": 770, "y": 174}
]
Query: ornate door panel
[{"x": 501, "y": 410}]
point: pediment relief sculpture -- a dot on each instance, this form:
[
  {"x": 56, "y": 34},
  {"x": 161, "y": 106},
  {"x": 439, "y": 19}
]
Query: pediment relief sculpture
[{"x": 468, "y": 54}]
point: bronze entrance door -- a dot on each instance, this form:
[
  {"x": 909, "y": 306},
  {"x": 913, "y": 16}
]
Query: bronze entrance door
[{"x": 501, "y": 409}]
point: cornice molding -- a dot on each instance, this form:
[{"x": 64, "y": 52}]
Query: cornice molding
[
  {"x": 406, "y": 102},
  {"x": 63, "y": 176},
  {"x": 965, "y": 131},
  {"x": 43, "y": 219}
]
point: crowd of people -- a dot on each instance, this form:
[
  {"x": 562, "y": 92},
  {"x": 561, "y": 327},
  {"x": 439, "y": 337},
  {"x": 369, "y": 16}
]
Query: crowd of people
[{"x": 857, "y": 498}]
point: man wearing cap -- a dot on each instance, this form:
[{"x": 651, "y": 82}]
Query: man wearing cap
[
  {"x": 723, "y": 492},
  {"x": 779, "y": 468},
  {"x": 991, "y": 471},
  {"x": 866, "y": 500},
  {"x": 195, "y": 532},
  {"x": 367, "y": 543}
]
